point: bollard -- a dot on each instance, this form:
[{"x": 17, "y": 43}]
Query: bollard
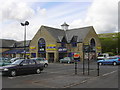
[
  {"x": 83, "y": 64},
  {"x": 88, "y": 63},
  {"x": 75, "y": 66},
  {"x": 98, "y": 68}
]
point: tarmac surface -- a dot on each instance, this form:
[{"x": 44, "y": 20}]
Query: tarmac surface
[{"x": 63, "y": 75}]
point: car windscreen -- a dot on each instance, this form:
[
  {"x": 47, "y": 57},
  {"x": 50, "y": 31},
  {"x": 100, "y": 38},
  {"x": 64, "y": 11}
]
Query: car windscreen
[{"x": 17, "y": 62}]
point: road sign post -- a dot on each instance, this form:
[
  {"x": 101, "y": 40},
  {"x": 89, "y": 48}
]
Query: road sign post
[
  {"x": 76, "y": 58},
  {"x": 86, "y": 49},
  {"x": 75, "y": 66}
]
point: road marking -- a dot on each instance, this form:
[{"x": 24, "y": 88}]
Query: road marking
[
  {"x": 109, "y": 73},
  {"x": 10, "y": 77}
]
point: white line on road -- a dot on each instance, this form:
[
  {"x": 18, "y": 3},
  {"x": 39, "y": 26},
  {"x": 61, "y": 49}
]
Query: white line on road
[{"x": 109, "y": 73}]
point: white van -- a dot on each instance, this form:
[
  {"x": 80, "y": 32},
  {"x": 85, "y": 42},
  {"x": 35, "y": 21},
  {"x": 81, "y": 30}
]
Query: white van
[{"x": 103, "y": 56}]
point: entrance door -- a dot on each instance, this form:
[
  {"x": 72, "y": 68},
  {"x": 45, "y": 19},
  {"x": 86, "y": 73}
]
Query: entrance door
[
  {"x": 42, "y": 55},
  {"x": 62, "y": 55},
  {"x": 50, "y": 57}
]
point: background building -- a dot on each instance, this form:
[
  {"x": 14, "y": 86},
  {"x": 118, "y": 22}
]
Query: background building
[{"x": 12, "y": 48}]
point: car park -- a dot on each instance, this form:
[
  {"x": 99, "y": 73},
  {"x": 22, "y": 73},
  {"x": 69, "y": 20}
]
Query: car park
[
  {"x": 42, "y": 60},
  {"x": 67, "y": 60},
  {"x": 111, "y": 60},
  {"x": 21, "y": 67}
]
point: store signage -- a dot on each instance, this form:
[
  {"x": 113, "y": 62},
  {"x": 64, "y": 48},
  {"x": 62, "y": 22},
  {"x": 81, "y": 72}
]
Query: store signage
[
  {"x": 32, "y": 47},
  {"x": 76, "y": 55},
  {"x": 62, "y": 49},
  {"x": 51, "y": 47}
]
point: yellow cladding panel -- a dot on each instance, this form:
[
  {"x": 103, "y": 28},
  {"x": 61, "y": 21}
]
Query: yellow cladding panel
[
  {"x": 32, "y": 47},
  {"x": 51, "y": 49},
  {"x": 27, "y": 53},
  {"x": 51, "y": 45}
]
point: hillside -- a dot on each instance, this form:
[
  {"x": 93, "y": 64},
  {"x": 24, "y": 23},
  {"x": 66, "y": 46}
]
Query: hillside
[
  {"x": 110, "y": 42},
  {"x": 108, "y": 35}
]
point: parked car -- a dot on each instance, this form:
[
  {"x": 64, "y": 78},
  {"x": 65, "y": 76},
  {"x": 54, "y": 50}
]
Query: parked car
[
  {"x": 22, "y": 67},
  {"x": 67, "y": 60},
  {"x": 42, "y": 60},
  {"x": 16, "y": 58},
  {"x": 4, "y": 61},
  {"x": 110, "y": 60}
]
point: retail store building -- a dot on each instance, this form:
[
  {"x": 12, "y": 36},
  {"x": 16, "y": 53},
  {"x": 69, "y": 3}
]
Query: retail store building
[{"x": 54, "y": 44}]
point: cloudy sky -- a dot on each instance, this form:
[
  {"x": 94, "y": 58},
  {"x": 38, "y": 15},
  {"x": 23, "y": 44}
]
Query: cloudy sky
[{"x": 101, "y": 14}]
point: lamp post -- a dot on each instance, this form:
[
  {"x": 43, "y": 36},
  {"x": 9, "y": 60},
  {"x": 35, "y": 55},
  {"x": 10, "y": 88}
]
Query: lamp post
[{"x": 25, "y": 24}]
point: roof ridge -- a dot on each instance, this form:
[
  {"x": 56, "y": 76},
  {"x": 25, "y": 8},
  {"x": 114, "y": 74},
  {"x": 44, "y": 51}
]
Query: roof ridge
[
  {"x": 79, "y": 28},
  {"x": 52, "y": 27}
]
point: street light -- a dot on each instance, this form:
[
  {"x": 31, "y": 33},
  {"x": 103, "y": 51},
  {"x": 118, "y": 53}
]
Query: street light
[{"x": 25, "y": 24}]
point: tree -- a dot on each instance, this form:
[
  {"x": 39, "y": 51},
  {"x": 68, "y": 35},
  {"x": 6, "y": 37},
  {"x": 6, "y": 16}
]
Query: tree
[{"x": 110, "y": 44}]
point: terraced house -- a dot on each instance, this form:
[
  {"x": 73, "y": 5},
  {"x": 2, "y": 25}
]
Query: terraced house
[{"x": 54, "y": 44}]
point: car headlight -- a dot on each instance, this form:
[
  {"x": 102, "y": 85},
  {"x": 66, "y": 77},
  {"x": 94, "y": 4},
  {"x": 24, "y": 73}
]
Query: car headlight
[{"x": 6, "y": 69}]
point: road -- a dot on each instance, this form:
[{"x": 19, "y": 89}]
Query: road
[{"x": 58, "y": 75}]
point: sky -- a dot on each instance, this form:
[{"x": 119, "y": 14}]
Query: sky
[{"x": 101, "y": 14}]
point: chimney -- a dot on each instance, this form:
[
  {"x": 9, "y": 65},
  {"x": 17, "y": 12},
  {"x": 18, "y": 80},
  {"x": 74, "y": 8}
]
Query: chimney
[{"x": 65, "y": 26}]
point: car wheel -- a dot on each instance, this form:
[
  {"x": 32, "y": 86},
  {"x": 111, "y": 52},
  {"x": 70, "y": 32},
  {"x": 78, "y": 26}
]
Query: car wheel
[
  {"x": 13, "y": 73},
  {"x": 100, "y": 63},
  {"x": 38, "y": 71},
  {"x": 114, "y": 63},
  {"x": 45, "y": 65}
]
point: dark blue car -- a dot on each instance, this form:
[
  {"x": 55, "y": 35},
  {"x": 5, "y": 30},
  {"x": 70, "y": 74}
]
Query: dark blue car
[
  {"x": 22, "y": 66},
  {"x": 112, "y": 60}
]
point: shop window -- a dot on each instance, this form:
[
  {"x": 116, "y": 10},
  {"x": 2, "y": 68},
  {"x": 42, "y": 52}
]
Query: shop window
[
  {"x": 33, "y": 55},
  {"x": 74, "y": 41},
  {"x": 63, "y": 44},
  {"x": 92, "y": 44},
  {"x": 74, "y": 44},
  {"x": 41, "y": 45}
]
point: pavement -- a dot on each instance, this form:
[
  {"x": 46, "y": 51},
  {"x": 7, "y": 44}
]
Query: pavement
[{"x": 63, "y": 75}]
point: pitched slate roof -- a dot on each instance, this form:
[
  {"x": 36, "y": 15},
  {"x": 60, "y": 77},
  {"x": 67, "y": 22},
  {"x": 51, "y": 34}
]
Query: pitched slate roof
[
  {"x": 58, "y": 34},
  {"x": 79, "y": 32},
  {"x": 21, "y": 43},
  {"x": 6, "y": 42}
]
